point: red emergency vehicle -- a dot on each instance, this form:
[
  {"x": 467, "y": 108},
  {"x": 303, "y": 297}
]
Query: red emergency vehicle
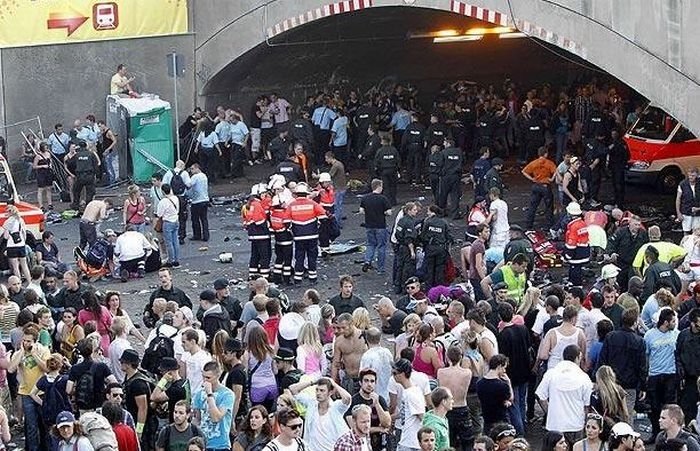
[{"x": 661, "y": 150}]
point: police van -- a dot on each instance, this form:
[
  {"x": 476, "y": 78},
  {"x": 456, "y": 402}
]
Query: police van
[{"x": 661, "y": 150}]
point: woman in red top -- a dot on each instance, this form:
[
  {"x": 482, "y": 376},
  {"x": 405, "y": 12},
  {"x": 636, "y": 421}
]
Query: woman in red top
[
  {"x": 98, "y": 313},
  {"x": 427, "y": 359},
  {"x": 135, "y": 210},
  {"x": 126, "y": 437}
]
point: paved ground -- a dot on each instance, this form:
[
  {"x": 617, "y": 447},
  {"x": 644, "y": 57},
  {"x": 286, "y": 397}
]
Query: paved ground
[{"x": 200, "y": 266}]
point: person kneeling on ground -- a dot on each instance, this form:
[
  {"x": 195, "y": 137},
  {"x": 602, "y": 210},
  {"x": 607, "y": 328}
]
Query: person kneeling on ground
[{"x": 132, "y": 249}]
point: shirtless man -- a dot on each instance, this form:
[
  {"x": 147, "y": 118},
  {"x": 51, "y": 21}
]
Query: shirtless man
[
  {"x": 457, "y": 379},
  {"x": 347, "y": 352},
  {"x": 95, "y": 212}
]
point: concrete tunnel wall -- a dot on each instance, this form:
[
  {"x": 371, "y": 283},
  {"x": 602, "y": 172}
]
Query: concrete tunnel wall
[{"x": 652, "y": 48}]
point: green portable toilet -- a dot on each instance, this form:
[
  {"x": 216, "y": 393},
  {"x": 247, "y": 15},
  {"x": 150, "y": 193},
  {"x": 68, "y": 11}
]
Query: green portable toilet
[{"x": 148, "y": 126}]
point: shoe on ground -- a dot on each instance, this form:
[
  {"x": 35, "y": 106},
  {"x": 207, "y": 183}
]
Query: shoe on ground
[
  {"x": 176, "y": 264},
  {"x": 366, "y": 267},
  {"x": 124, "y": 274},
  {"x": 167, "y": 265},
  {"x": 141, "y": 273}
]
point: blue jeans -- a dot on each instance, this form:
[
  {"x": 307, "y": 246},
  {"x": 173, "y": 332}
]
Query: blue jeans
[
  {"x": 518, "y": 410},
  {"x": 32, "y": 424},
  {"x": 112, "y": 167},
  {"x": 376, "y": 245},
  {"x": 170, "y": 230},
  {"x": 338, "y": 206}
]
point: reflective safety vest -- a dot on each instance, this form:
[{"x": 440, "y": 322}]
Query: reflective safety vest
[
  {"x": 516, "y": 283},
  {"x": 255, "y": 220},
  {"x": 326, "y": 197},
  {"x": 280, "y": 225},
  {"x": 305, "y": 214}
]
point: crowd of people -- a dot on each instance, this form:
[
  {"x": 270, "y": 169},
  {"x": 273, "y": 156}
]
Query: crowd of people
[{"x": 456, "y": 361}]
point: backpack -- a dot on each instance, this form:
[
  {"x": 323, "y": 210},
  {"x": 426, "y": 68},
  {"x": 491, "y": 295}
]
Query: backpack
[
  {"x": 85, "y": 389},
  {"x": 55, "y": 399},
  {"x": 272, "y": 446},
  {"x": 161, "y": 346},
  {"x": 177, "y": 185},
  {"x": 97, "y": 253},
  {"x": 98, "y": 430}
]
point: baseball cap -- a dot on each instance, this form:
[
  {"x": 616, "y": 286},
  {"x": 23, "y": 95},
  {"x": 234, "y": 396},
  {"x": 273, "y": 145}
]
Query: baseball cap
[
  {"x": 65, "y": 418},
  {"x": 623, "y": 429},
  {"x": 220, "y": 284},
  {"x": 109, "y": 232},
  {"x": 499, "y": 286},
  {"x": 609, "y": 271},
  {"x": 187, "y": 313}
]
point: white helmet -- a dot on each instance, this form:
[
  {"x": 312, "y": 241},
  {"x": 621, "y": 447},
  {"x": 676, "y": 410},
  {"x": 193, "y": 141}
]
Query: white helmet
[
  {"x": 302, "y": 188},
  {"x": 276, "y": 181},
  {"x": 255, "y": 190},
  {"x": 276, "y": 202},
  {"x": 262, "y": 188},
  {"x": 324, "y": 177}
]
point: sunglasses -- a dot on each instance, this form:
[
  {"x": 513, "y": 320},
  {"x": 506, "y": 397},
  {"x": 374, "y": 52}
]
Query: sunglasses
[
  {"x": 506, "y": 433},
  {"x": 294, "y": 426}
]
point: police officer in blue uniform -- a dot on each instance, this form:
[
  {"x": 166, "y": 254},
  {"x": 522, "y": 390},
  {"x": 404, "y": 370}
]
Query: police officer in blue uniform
[
  {"x": 412, "y": 143},
  {"x": 450, "y": 181},
  {"x": 387, "y": 163}
]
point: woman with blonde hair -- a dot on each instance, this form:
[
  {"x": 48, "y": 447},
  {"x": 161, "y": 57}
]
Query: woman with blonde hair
[
  {"x": 134, "y": 210},
  {"x": 408, "y": 336},
  {"x": 15, "y": 232},
  {"x": 218, "y": 347},
  {"x": 310, "y": 358},
  {"x": 361, "y": 319},
  {"x": 609, "y": 397}
]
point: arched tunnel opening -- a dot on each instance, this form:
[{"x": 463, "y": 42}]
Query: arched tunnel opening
[{"x": 379, "y": 46}]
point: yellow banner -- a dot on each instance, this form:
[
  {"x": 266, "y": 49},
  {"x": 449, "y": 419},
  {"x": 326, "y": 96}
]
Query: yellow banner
[{"x": 37, "y": 22}]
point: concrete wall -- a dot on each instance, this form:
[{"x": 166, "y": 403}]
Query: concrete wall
[
  {"x": 653, "y": 48},
  {"x": 61, "y": 83}
]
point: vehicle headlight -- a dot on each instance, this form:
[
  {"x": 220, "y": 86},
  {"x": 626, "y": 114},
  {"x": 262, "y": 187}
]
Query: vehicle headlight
[{"x": 640, "y": 165}]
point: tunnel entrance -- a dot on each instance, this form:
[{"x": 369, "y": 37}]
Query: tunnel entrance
[{"x": 372, "y": 47}]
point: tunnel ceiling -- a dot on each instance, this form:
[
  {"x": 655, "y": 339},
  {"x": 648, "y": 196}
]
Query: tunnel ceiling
[{"x": 365, "y": 47}]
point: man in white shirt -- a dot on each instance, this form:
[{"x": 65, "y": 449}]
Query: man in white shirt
[
  {"x": 132, "y": 249},
  {"x": 498, "y": 219},
  {"x": 411, "y": 407},
  {"x": 280, "y": 108},
  {"x": 193, "y": 359},
  {"x": 565, "y": 392},
  {"x": 324, "y": 422}
]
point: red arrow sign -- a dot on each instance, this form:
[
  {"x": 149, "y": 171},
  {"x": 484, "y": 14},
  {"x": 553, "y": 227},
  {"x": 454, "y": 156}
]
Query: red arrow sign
[{"x": 69, "y": 23}]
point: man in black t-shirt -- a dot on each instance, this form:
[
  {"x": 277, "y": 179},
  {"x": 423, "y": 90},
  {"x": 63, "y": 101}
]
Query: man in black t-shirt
[
  {"x": 380, "y": 409},
  {"x": 392, "y": 318},
  {"x": 137, "y": 398},
  {"x": 376, "y": 207},
  {"x": 171, "y": 387},
  {"x": 100, "y": 373},
  {"x": 236, "y": 378}
]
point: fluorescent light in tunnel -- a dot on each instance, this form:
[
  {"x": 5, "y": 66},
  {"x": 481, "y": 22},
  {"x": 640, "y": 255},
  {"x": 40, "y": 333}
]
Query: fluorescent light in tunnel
[
  {"x": 493, "y": 30},
  {"x": 462, "y": 38},
  {"x": 433, "y": 34},
  {"x": 512, "y": 35}
]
